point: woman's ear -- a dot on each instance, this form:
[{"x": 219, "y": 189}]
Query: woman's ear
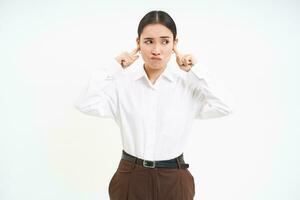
[
  {"x": 176, "y": 40},
  {"x": 175, "y": 44},
  {"x": 138, "y": 43}
]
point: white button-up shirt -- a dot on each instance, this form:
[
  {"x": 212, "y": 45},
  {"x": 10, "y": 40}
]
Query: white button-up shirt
[{"x": 154, "y": 119}]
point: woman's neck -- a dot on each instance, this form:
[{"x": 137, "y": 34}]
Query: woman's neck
[{"x": 153, "y": 74}]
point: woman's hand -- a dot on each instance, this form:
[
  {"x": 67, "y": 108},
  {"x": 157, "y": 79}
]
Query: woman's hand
[
  {"x": 125, "y": 59},
  {"x": 185, "y": 62}
]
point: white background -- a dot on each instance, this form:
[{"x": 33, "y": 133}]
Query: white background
[{"x": 49, "y": 150}]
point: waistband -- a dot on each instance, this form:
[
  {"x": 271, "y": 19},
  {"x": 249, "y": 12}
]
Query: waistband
[{"x": 177, "y": 162}]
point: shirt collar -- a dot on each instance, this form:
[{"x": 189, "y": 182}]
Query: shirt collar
[{"x": 167, "y": 73}]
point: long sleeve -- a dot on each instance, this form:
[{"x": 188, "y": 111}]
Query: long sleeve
[
  {"x": 99, "y": 96},
  {"x": 208, "y": 102}
]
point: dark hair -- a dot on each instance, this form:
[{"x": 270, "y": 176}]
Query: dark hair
[{"x": 157, "y": 17}]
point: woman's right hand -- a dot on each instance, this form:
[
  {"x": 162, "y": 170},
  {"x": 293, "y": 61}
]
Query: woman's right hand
[{"x": 125, "y": 59}]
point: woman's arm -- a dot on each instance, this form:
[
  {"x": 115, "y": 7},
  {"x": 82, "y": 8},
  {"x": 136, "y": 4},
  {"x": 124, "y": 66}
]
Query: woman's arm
[
  {"x": 208, "y": 102},
  {"x": 99, "y": 96}
]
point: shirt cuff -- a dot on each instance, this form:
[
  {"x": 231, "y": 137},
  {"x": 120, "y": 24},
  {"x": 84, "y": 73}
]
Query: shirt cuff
[
  {"x": 102, "y": 76},
  {"x": 112, "y": 68},
  {"x": 197, "y": 72}
]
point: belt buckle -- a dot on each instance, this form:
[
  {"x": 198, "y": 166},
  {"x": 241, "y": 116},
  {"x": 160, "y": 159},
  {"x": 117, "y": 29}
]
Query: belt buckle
[{"x": 145, "y": 163}]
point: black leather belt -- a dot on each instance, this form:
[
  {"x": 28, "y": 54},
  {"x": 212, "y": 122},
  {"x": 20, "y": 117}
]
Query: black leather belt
[{"x": 177, "y": 162}]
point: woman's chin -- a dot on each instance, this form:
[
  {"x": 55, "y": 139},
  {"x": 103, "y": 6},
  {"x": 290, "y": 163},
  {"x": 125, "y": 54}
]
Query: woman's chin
[{"x": 155, "y": 65}]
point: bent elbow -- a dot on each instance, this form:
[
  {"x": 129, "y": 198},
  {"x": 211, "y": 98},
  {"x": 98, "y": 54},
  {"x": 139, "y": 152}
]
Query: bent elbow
[{"x": 214, "y": 111}]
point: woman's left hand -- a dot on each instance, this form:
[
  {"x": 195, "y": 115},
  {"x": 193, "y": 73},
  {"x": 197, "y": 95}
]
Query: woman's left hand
[{"x": 185, "y": 62}]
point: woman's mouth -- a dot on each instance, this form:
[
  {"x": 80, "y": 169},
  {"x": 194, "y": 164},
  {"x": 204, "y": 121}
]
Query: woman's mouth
[{"x": 156, "y": 58}]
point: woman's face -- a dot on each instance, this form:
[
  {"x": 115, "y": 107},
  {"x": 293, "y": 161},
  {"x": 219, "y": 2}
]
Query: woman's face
[{"x": 156, "y": 45}]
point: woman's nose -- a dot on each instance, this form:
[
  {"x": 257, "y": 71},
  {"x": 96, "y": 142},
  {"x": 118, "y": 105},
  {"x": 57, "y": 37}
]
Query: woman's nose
[{"x": 155, "y": 50}]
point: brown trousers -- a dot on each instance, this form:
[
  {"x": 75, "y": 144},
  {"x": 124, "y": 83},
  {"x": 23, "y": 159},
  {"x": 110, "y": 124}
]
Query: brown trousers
[{"x": 134, "y": 182}]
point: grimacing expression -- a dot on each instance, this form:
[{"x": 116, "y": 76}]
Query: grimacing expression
[{"x": 156, "y": 45}]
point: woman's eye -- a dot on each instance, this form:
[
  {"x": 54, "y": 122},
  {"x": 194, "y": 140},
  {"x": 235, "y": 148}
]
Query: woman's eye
[
  {"x": 166, "y": 41},
  {"x": 149, "y": 42}
]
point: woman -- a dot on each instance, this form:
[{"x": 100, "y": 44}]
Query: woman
[{"x": 154, "y": 105}]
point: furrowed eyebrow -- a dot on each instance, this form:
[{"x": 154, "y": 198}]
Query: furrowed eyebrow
[{"x": 149, "y": 38}]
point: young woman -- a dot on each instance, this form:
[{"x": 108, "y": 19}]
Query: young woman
[{"x": 154, "y": 105}]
